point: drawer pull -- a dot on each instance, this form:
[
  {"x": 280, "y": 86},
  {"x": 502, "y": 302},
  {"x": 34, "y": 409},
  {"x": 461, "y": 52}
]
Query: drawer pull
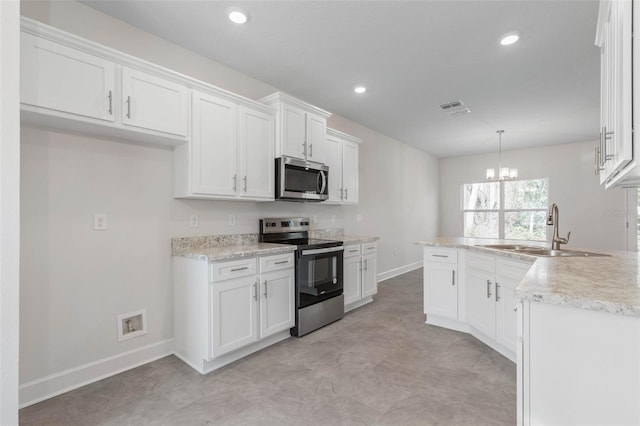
[
  {"x": 488, "y": 289},
  {"x": 240, "y": 269},
  {"x": 439, "y": 255},
  {"x": 453, "y": 277},
  {"x": 497, "y": 289},
  {"x": 353, "y": 251},
  {"x": 281, "y": 262}
]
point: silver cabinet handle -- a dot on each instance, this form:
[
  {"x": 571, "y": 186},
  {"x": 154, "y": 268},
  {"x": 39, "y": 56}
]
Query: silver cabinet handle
[
  {"x": 488, "y": 289},
  {"x": 440, "y": 255},
  {"x": 265, "y": 289},
  {"x": 341, "y": 194},
  {"x": 606, "y": 136},
  {"x": 129, "y": 107},
  {"x": 281, "y": 262},
  {"x": 353, "y": 251},
  {"x": 310, "y": 150},
  {"x": 239, "y": 269},
  {"x": 110, "y": 103},
  {"x": 361, "y": 265},
  {"x": 497, "y": 289},
  {"x": 598, "y": 167},
  {"x": 304, "y": 148},
  {"x": 453, "y": 277},
  {"x": 245, "y": 183},
  {"x": 366, "y": 264},
  {"x": 255, "y": 290},
  {"x": 346, "y": 194},
  {"x": 235, "y": 183}
]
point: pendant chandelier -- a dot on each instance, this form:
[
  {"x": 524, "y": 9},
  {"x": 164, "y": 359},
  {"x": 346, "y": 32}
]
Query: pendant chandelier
[{"x": 504, "y": 173}]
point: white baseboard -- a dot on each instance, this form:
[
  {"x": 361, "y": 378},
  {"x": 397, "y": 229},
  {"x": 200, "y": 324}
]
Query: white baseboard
[
  {"x": 382, "y": 276},
  {"x": 55, "y": 384}
]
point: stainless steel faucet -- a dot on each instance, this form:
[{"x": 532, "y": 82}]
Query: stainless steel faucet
[{"x": 552, "y": 219}]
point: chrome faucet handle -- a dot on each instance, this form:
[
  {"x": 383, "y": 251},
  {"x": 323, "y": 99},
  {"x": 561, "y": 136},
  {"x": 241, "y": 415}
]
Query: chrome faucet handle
[{"x": 564, "y": 240}]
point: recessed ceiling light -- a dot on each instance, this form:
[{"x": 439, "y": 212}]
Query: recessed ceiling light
[
  {"x": 509, "y": 38},
  {"x": 237, "y": 16},
  {"x": 359, "y": 89}
]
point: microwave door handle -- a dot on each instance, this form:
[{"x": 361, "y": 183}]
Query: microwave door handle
[{"x": 322, "y": 187}]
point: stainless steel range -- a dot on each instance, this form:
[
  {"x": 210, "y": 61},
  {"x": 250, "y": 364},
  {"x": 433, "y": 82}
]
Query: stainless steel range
[{"x": 319, "y": 298}]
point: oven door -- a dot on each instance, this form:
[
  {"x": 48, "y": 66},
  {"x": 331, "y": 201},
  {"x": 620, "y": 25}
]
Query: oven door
[{"x": 318, "y": 275}]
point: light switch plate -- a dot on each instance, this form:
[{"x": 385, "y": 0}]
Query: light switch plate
[{"x": 193, "y": 221}]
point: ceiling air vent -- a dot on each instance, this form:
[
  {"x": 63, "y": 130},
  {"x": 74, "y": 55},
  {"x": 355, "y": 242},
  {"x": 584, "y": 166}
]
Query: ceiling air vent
[
  {"x": 452, "y": 104},
  {"x": 455, "y": 108}
]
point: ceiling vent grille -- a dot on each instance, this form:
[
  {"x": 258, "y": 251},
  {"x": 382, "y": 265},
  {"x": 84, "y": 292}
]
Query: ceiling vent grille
[
  {"x": 455, "y": 108},
  {"x": 452, "y": 104}
]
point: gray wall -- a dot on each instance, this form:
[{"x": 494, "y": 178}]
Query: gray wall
[
  {"x": 595, "y": 216},
  {"x": 76, "y": 281}
]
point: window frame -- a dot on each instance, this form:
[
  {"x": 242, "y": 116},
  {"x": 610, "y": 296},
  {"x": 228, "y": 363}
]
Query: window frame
[{"x": 501, "y": 211}]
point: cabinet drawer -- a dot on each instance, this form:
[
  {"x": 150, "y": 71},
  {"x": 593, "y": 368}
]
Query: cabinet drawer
[
  {"x": 512, "y": 269},
  {"x": 438, "y": 254},
  {"x": 233, "y": 269},
  {"x": 277, "y": 262},
  {"x": 352, "y": 250},
  {"x": 369, "y": 248}
]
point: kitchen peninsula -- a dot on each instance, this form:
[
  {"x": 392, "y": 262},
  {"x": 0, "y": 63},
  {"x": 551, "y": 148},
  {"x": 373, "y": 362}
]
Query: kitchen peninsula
[{"x": 577, "y": 322}]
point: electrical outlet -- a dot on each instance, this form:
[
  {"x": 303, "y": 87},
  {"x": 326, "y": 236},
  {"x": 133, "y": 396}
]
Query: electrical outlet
[
  {"x": 99, "y": 222},
  {"x": 193, "y": 221},
  {"x": 232, "y": 220},
  {"x": 315, "y": 218}
]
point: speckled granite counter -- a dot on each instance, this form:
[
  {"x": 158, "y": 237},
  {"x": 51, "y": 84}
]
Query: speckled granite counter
[
  {"x": 338, "y": 234},
  {"x": 355, "y": 239},
  {"x": 225, "y": 247},
  {"x": 609, "y": 284}
]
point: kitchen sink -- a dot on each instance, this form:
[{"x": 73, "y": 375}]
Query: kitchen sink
[{"x": 541, "y": 251}]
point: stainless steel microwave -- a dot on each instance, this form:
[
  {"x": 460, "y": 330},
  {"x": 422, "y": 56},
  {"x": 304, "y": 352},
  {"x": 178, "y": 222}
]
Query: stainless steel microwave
[{"x": 299, "y": 180}]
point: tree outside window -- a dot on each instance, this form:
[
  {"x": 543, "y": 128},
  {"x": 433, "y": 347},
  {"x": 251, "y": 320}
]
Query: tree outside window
[{"x": 507, "y": 209}]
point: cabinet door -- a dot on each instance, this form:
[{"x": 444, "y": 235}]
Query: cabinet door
[
  {"x": 506, "y": 316},
  {"x": 277, "y": 302},
  {"x": 293, "y": 132},
  {"x": 153, "y": 103},
  {"x": 316, "y": 137},
  {"x": 63, "y": 79},
  {"x": 369, "y": 278},
  {"x": 256, "y": 153},
  {"x": 352, "y": 274},
  {"x": 481, "y": 309},
  {"x": 234, "y": 309},
  {"x": 213, "y": 155},
  {"x": 334, "y": 161},
  {"x": 350, "y": 172},
  {"x": 441, "y": 289}
]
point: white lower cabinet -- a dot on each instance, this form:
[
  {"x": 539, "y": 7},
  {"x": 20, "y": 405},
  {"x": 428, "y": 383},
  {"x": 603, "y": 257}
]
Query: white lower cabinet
[
  {"x": 440, "y": 284},
  {"x": 226, "y": 310},
  {"x": 577, "y": 366},
  {"x": 360, "y": 274},
  {"x": 475, "y": 293}
]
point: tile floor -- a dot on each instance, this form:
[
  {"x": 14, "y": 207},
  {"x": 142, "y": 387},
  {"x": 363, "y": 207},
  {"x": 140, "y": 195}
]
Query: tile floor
[{"x": 380, "y": 365}]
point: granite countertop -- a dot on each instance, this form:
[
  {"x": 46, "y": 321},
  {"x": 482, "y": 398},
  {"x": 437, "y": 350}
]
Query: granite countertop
[
  {"x": 355, "y": 239},
  {"x": 608, "y": 284},
  {"x": 236, "y": 251}
]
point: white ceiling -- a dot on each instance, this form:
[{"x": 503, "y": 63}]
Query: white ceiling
[{"x": 412, "y": 56}]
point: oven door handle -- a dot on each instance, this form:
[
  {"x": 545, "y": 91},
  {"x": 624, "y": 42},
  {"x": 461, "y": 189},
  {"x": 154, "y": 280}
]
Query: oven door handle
[
  {"x": 322, "y": 250},
  {"x": 323, "y": 186}
]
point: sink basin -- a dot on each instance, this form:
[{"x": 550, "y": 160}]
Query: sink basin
[
  {"x": 559, "y": 253},
  {"x": 541, "y": 251}
]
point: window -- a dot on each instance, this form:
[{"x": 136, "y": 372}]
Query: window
[{"x": 514, "y": 210}]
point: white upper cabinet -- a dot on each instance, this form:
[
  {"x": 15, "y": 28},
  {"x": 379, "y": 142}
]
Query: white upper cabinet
[
  {"x": 615, "y": 159},
  {"x": 154, "y": 103},
  {"x": 214, "y": 149},
  {"x": 300, "y": 128},
  {"x": 342, "y": 152},
  {"x": 231, "y": 153},
  {"x": 256, "y": 152},
  {"x": 66, "y": 80}
]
